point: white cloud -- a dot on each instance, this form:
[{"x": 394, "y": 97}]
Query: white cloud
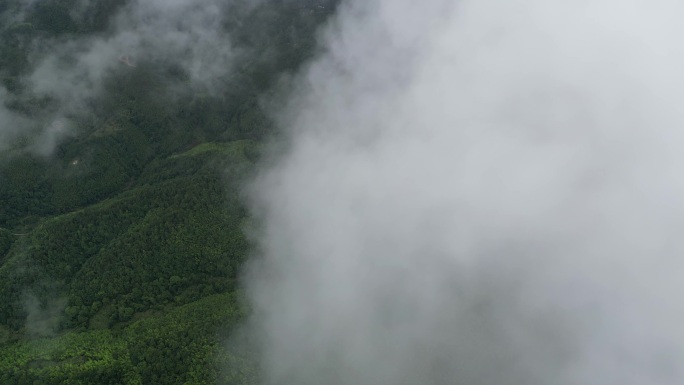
[{"x": 479, "y": 193}]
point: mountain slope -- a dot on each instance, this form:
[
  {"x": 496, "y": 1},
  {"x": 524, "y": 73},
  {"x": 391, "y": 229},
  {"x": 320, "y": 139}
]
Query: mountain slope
[{"x": 121, "y": 205}]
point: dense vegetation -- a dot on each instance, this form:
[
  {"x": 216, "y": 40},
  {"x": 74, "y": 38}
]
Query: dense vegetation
[{"x": 120, "y": 250}]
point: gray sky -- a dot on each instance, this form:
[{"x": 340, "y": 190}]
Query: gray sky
[{"x": 479, "y": 192}]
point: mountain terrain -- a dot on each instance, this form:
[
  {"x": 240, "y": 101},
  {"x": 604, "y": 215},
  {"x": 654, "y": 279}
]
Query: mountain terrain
[{"x": 123, "y": 224}]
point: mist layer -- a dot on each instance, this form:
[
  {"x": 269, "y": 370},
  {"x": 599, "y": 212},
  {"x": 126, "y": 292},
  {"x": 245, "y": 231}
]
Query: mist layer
[
  {"x": 478, "y": 192},
  {"x": 70, "y": 55}
]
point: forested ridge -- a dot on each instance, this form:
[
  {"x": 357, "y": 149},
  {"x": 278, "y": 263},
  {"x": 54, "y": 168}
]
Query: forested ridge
[{"x": 121, "y": 246}]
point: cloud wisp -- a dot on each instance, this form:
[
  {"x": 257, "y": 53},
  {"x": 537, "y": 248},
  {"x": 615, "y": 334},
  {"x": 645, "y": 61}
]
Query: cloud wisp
[
  {"x": 478, "y": 192},
  {"x": 181, "y": 37}
]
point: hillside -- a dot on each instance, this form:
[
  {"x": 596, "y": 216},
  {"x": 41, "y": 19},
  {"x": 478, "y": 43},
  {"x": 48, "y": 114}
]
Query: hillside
[{"x": 122, "y": 215}]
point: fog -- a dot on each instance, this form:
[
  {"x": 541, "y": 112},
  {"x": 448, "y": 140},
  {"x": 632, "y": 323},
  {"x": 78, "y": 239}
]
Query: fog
[
  {"x": 478, "y": 192},
  {"x": 188, "y": 38}
]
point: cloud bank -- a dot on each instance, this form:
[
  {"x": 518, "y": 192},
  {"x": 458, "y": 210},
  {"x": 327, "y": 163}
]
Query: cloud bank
[{"x": 478, "y": 192}]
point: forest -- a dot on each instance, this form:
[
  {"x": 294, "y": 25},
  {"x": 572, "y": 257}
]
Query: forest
[{"x": 123, "y": 235}]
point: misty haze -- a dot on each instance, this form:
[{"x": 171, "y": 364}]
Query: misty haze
[{"x": 373, "y": 192}]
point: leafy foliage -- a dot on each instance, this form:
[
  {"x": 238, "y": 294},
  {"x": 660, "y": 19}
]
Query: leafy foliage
[{"x": 179, "y": 346}]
